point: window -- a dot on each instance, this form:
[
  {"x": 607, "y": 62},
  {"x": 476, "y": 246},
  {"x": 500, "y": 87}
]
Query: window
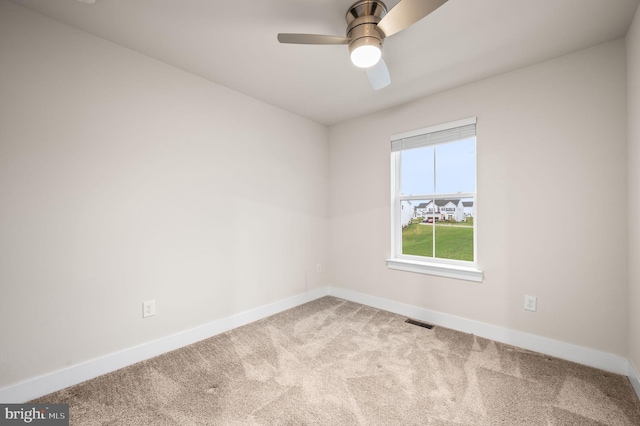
[{"x": 433, "y": 185}]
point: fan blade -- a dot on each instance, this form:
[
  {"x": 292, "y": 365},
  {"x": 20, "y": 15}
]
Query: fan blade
[
  {"x": 407, "y": 13},
  {"x": 311, "y": 39},
  {"x": 379, "y": 75}
]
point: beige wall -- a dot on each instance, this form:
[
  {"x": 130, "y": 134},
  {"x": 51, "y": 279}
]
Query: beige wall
[
  {"x": 551, "y": 139},
  {"x": 633, "y": 114},
  {"x": 123, "y": 179}
]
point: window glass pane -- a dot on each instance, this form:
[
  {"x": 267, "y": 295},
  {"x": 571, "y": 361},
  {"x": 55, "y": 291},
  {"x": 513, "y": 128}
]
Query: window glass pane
[
  {"x": 417, "y": 171},
  {"x": 454, "y": 229},
  {"x": 417, "y": 233},
  {"x": 456, "y": 166}
]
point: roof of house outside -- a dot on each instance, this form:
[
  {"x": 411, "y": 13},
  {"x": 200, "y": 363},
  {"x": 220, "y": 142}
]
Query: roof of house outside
[{"x": 441, "y": 203}]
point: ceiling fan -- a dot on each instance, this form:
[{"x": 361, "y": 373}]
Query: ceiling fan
[{"x": 368, "y": 23}]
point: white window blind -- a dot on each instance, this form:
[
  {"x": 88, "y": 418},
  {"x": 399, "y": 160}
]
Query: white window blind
[{"x": 461, "y": 129}]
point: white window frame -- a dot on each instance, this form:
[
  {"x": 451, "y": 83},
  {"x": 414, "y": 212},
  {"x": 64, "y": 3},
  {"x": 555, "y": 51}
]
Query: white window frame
[{"x": 465, "y": 270}]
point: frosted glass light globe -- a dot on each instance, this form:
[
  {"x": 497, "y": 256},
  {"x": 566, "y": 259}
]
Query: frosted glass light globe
[{"x": 366, "y": 56}]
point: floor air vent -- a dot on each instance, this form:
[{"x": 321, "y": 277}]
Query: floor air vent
[{"x": 419, "y": 323}]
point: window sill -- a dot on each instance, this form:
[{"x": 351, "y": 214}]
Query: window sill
[{"x": 449, "y": 271}]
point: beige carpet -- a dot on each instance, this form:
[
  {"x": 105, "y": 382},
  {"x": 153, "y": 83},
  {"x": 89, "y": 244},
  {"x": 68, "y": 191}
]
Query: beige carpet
[{"x": 333, "y": 362}]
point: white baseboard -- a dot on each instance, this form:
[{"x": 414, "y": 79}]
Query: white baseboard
[
  {"x": 48, "y": 383},
  {"x": 634, "y": 378},
  {"x": 582, "y": 355},
  {"x": 43, "y": 385}
]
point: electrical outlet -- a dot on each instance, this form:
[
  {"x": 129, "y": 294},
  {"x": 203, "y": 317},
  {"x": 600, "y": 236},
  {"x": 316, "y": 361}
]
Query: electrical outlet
[
  {"x": 530, "y": 303},
  {"x": 148, "y": 308}
]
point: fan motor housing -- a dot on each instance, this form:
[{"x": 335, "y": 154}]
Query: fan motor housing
[
  {"x": 362, "y": 20},
  {"x": 366, "y": 8}
]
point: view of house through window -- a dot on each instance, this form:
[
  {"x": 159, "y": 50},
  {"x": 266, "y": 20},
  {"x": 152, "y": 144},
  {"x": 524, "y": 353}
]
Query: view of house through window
[{"x": 435, "y": 193}]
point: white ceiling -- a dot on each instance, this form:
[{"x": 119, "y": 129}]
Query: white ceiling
[{"x": 233, "y": 43}]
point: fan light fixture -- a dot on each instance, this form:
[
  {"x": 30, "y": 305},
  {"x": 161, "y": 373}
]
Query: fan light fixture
[
  {"x": 367, "y": 53},
  {"x": 365, "y": 40}
]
